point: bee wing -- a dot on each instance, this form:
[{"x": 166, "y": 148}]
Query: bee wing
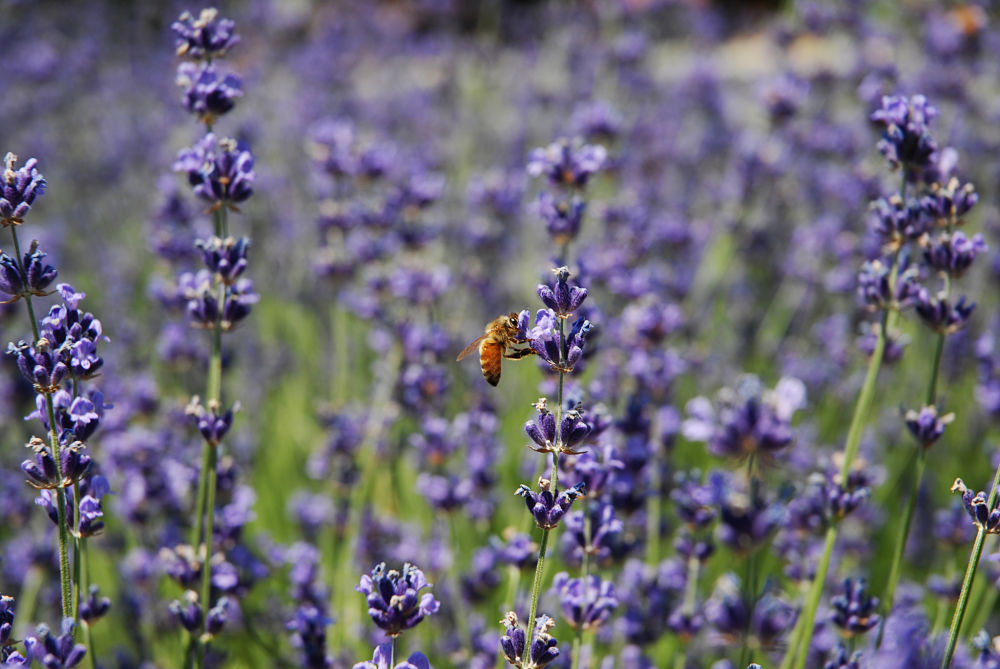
[{"x": 474, "y": 346}]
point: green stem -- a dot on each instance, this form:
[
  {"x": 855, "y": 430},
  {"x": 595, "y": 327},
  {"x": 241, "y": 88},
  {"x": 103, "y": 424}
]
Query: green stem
[
  {"x": 77, "y": 547},
  {"x": 801, "y": 651},
  {"x": 88, "y": 637},
  {"x": 970, "y": 575},
  {"x": 904, "y": 532},
  {"x": 392, "y": 655},
  {"x": 577, "y": 647},
  {"x": 904, "y": 529},
  {"x": 536, "y": 587},
  {"x": 209, "y": 474}
]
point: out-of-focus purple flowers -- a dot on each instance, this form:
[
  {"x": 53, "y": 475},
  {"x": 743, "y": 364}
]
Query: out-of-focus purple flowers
[
  {"x": 567, "y": 162},
  {"x": 55, "y": 652},
  {"x": 749, "y": 421},
  {"x": 309, "y": 636},
  {"x": 854, "y": 609},
  {"x": 926, "y": 425},
  {"x": 394, "y": 600},
  {"x": 382, "y": 659},
  {"x": 587, "y": 604}
]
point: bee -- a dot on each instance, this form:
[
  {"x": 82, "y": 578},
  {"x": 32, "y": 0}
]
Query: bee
[{"x": 499, "y": 340}]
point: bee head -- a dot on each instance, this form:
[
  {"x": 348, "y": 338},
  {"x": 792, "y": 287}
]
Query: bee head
[{"x": 512, "y": 320}]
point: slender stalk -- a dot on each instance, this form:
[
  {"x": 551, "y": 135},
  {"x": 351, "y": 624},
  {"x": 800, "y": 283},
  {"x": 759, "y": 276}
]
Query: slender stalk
[
  {"x": 77, "y": 546},
  {"x": 815, "y": 593},
  {"x": 536, "y": 587},
  {"x": 210, "y": 454},
  {"x": 584, "y": 574},
  {"x": 970, "y": 575},
  {"x": 88, "y": 638},
  {"x": 392, "y": 655},
  {"x": 904, "y": 528}
]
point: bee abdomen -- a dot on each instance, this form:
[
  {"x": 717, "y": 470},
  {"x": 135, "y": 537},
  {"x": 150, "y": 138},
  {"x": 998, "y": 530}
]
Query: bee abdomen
[{"x": 490, "y": 355}]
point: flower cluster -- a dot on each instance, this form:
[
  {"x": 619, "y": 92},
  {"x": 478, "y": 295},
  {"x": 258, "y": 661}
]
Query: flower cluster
[{"x": 394, "y": 600}]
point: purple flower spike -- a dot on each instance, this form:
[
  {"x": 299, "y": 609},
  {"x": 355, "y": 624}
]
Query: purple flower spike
[
  {"x": 204, "y": 37},
  {"x": 55, "y": 652},
  {"x": 586, "y": 605},
  {"x": 41, "y": 471},
  {"x": 394, "y": 600},
  {"x": 926, "y": 426},
  {"x": 18, "y": 190},
  {"x": 513, "y": 643},
  {"x": 897, "y": 221},
  {"x": 548, "y": 509},
  {"x": 975, "y": 504},
  {"x": 600, "y": 540}
]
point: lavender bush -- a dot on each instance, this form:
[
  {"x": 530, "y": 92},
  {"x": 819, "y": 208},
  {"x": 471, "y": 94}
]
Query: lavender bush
[{"x": 741, "y": 374}]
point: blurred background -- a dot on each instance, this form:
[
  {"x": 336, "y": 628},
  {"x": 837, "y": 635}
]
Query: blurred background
[{"x": 393, "y": 217}]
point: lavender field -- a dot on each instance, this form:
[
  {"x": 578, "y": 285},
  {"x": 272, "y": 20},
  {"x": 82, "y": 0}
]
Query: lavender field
[{"x": 472, "y": 334}]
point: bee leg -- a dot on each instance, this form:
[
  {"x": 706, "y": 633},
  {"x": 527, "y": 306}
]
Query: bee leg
[{"x": 517, "y": 355}]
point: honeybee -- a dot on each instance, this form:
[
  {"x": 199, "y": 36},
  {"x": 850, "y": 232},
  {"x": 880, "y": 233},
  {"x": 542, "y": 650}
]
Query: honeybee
[{"x": 500, "y": 340}]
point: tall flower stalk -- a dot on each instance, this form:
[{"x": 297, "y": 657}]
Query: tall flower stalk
[
  {"x": 220, "y": 172},
  {"x": 886, "y": 285}
]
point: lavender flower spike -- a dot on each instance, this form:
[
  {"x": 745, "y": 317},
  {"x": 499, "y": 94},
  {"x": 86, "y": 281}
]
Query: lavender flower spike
[
  {"x": 55, "y": 652},
  {"x": 586, "y": 604},
  {"x": 562, "y": 298},
  {"x": 392, "y": 597}
]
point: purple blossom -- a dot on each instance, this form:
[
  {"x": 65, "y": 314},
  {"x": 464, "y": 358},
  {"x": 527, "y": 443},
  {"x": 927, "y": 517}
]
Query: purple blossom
[
  {"x": 947, "y": 204},
  {"x": 382, "y": 658},
  {"x": 19, "y": 189},
  {"x": 55, "y": 652},
  {"x": 219, "y": 171},
  {"x": 394, "y": 600},
  {"x": 547, "y": 508},
  {"x": 513, "y": 644},
  {"x": 226, "y": 258},
  {"x": 563, "y": 217},
  {"x": 586, "y": 605},
  {"x": 205, "y": 94},
  {"x": 204, "y": 37},
  {"x": 308, "y": 629},
  {"x": 567, "y": 162},
  {"x": 976, "y": 506},
  {"x": 906, "y": 138},
  {"x": 854, "y": 610},
  {"x": 926, "y": 426},
  {"x": 938, "y": 313},
  {"x": 562, "y": 298},
  {"x": 953, "y": 254}
]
